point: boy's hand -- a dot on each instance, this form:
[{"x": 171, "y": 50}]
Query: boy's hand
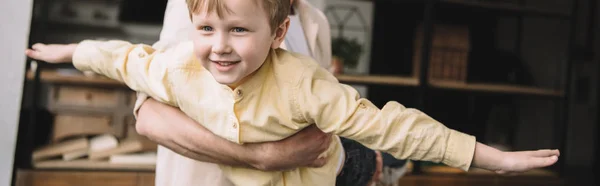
[
  {"x": 500, "y": 162},
  {"x": 53, "y": 53},
  {"x": 518, "y": 162}
]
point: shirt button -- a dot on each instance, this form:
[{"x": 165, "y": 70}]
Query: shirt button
[
  {"x": 141, "y": 55},
  {"x": 362, "y": 106},
  {"x": 239, "y": 93},
  {"x": 235, "y": 125}
]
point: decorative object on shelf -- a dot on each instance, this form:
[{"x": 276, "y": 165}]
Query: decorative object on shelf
[
  {"x": 351, "y": 33},
  {"x": 337, "y": 65},
  {"x": 351, "y": 23},
  {"x": 347, "y": 50},
  {"x": 449, "y": 53}
]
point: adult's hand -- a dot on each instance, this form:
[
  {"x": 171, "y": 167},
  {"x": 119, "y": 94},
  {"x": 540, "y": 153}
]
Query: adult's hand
[{"x": 302, "y": 149}]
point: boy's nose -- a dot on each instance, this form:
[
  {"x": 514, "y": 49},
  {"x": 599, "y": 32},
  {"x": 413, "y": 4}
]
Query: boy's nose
[{"x": 221, "y": 46}]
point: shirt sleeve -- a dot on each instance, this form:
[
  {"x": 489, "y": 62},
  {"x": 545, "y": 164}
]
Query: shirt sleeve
[
  {"x": 141, "y": 98},
  {"x": 138, "y": 66},
  {"x": 403, "y": 132}
]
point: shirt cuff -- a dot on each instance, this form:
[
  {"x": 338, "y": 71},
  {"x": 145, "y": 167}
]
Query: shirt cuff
[
  {"x": 81, "y": 55},
  {"x": 460, "y": 150},
  {"x": 141, "y": 98}
]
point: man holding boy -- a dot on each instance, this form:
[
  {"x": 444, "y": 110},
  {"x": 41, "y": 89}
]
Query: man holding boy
[
  {"x": 259, "y": 93},
  {"x": 310, "y": 35}
]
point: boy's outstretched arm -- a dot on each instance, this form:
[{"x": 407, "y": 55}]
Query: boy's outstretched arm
[
  {"x": 140, "y": 67},
  {"x": 403, "y": 132}
]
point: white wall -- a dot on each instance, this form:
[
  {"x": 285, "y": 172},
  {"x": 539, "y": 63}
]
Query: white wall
[{"x": 15, "y": 18}]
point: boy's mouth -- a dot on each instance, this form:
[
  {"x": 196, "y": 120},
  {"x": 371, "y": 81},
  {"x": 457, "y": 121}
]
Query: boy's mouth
[
  {"x": 226, "y": 63},
  {"x": 224, "y": 66}
]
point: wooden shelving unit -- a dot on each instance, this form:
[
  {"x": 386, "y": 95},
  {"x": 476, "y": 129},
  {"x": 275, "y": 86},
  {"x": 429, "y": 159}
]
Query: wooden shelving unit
[
  {"x": 497, "y": 88},
  {"x": 424, "y": 85},
  {"x": 87, "y": 178},
  {"x": 54, "y": 76},
  {"x": 481, "y": 172},
  {"x": 91, "y": 165},
  {"x": 508, "y": 8},
  {"x": 449, "y": 85},
  {"x": 51, "y": 170},
  {"x": 378, "y": 80}
]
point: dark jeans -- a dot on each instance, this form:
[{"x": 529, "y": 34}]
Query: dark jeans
[
  {"x": 390, "y": 161},
  {"x": 359, "y": 166}
]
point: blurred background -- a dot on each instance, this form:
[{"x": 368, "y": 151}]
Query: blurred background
[{"x": 517, "y": 74}]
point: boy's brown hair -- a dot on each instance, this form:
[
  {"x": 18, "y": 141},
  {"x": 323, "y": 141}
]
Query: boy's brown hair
[{"x": 277, "y": 10}]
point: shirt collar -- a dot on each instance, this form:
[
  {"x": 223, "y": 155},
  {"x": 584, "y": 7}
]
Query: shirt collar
[{"x": 256, "y": 81}]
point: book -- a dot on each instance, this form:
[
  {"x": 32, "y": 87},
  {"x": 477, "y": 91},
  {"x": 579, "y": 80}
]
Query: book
[
  {"x": 58, "y": 149},
  {"x": 73, "y": 155},
  {"x": 146, "y": 158},
  {"x": 103, "y": 142},
  {"x": 131, "y": 145}
]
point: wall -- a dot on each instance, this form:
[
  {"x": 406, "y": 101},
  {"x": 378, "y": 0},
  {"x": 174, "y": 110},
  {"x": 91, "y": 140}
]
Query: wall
[{"x": 15, "y": 17}]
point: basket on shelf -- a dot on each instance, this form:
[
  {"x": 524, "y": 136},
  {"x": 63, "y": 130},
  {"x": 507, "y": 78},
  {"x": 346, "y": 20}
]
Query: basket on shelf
[{"x": 449, "y": 53}]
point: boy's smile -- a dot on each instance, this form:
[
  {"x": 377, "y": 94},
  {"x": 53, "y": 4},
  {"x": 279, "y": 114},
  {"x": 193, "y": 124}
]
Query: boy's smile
[
  {"x": 233, "y": 40},
  {"x": 224, "y": 65}
]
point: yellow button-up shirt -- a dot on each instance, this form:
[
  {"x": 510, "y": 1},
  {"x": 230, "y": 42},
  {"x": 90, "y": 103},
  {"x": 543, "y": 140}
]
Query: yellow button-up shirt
[{"x": 287, "y": 93}]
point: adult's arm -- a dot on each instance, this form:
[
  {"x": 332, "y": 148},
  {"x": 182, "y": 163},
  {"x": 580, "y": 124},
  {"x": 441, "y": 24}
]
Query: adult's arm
[{"x": 170, "y": 127}]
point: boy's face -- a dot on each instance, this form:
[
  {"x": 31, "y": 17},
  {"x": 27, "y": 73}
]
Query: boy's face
[{"x": 235, "y": 45}]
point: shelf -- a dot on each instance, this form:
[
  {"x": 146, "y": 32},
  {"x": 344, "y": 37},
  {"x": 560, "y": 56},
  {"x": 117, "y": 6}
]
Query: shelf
[
  {"x": 482, "y": 172},
  {"x": 28, "y": 177},
  {"x": 509, "y": 8},
  {"x": 90, "y": 165},
  {"x": 54, "y": 76},
  {"x": 496, "y": 88},
  {"x": 377, "y": 80},
  {"x": 474, "y": 87},
  {"x": 443, "y": 177}
]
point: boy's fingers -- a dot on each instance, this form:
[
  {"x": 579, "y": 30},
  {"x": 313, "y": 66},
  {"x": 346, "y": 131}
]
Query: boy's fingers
[
  {"x": 543, "y": 162},
  {"x": 544, "y": 153},
  {"x": 32, "y": 53},
  {"x": 319, "y": 162},
  {"x": 37, "y": 46}
]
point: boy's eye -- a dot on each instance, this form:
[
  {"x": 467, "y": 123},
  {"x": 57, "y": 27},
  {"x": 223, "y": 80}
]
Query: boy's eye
[
  {"x": 206, "y": 28},
  {"x": 238, "y": 29}
]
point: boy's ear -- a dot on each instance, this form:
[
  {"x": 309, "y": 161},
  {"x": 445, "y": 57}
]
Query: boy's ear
[{"x": 280, "y": 33}]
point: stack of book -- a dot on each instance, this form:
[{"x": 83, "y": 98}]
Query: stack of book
[{"x": 97, "y": 152}]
